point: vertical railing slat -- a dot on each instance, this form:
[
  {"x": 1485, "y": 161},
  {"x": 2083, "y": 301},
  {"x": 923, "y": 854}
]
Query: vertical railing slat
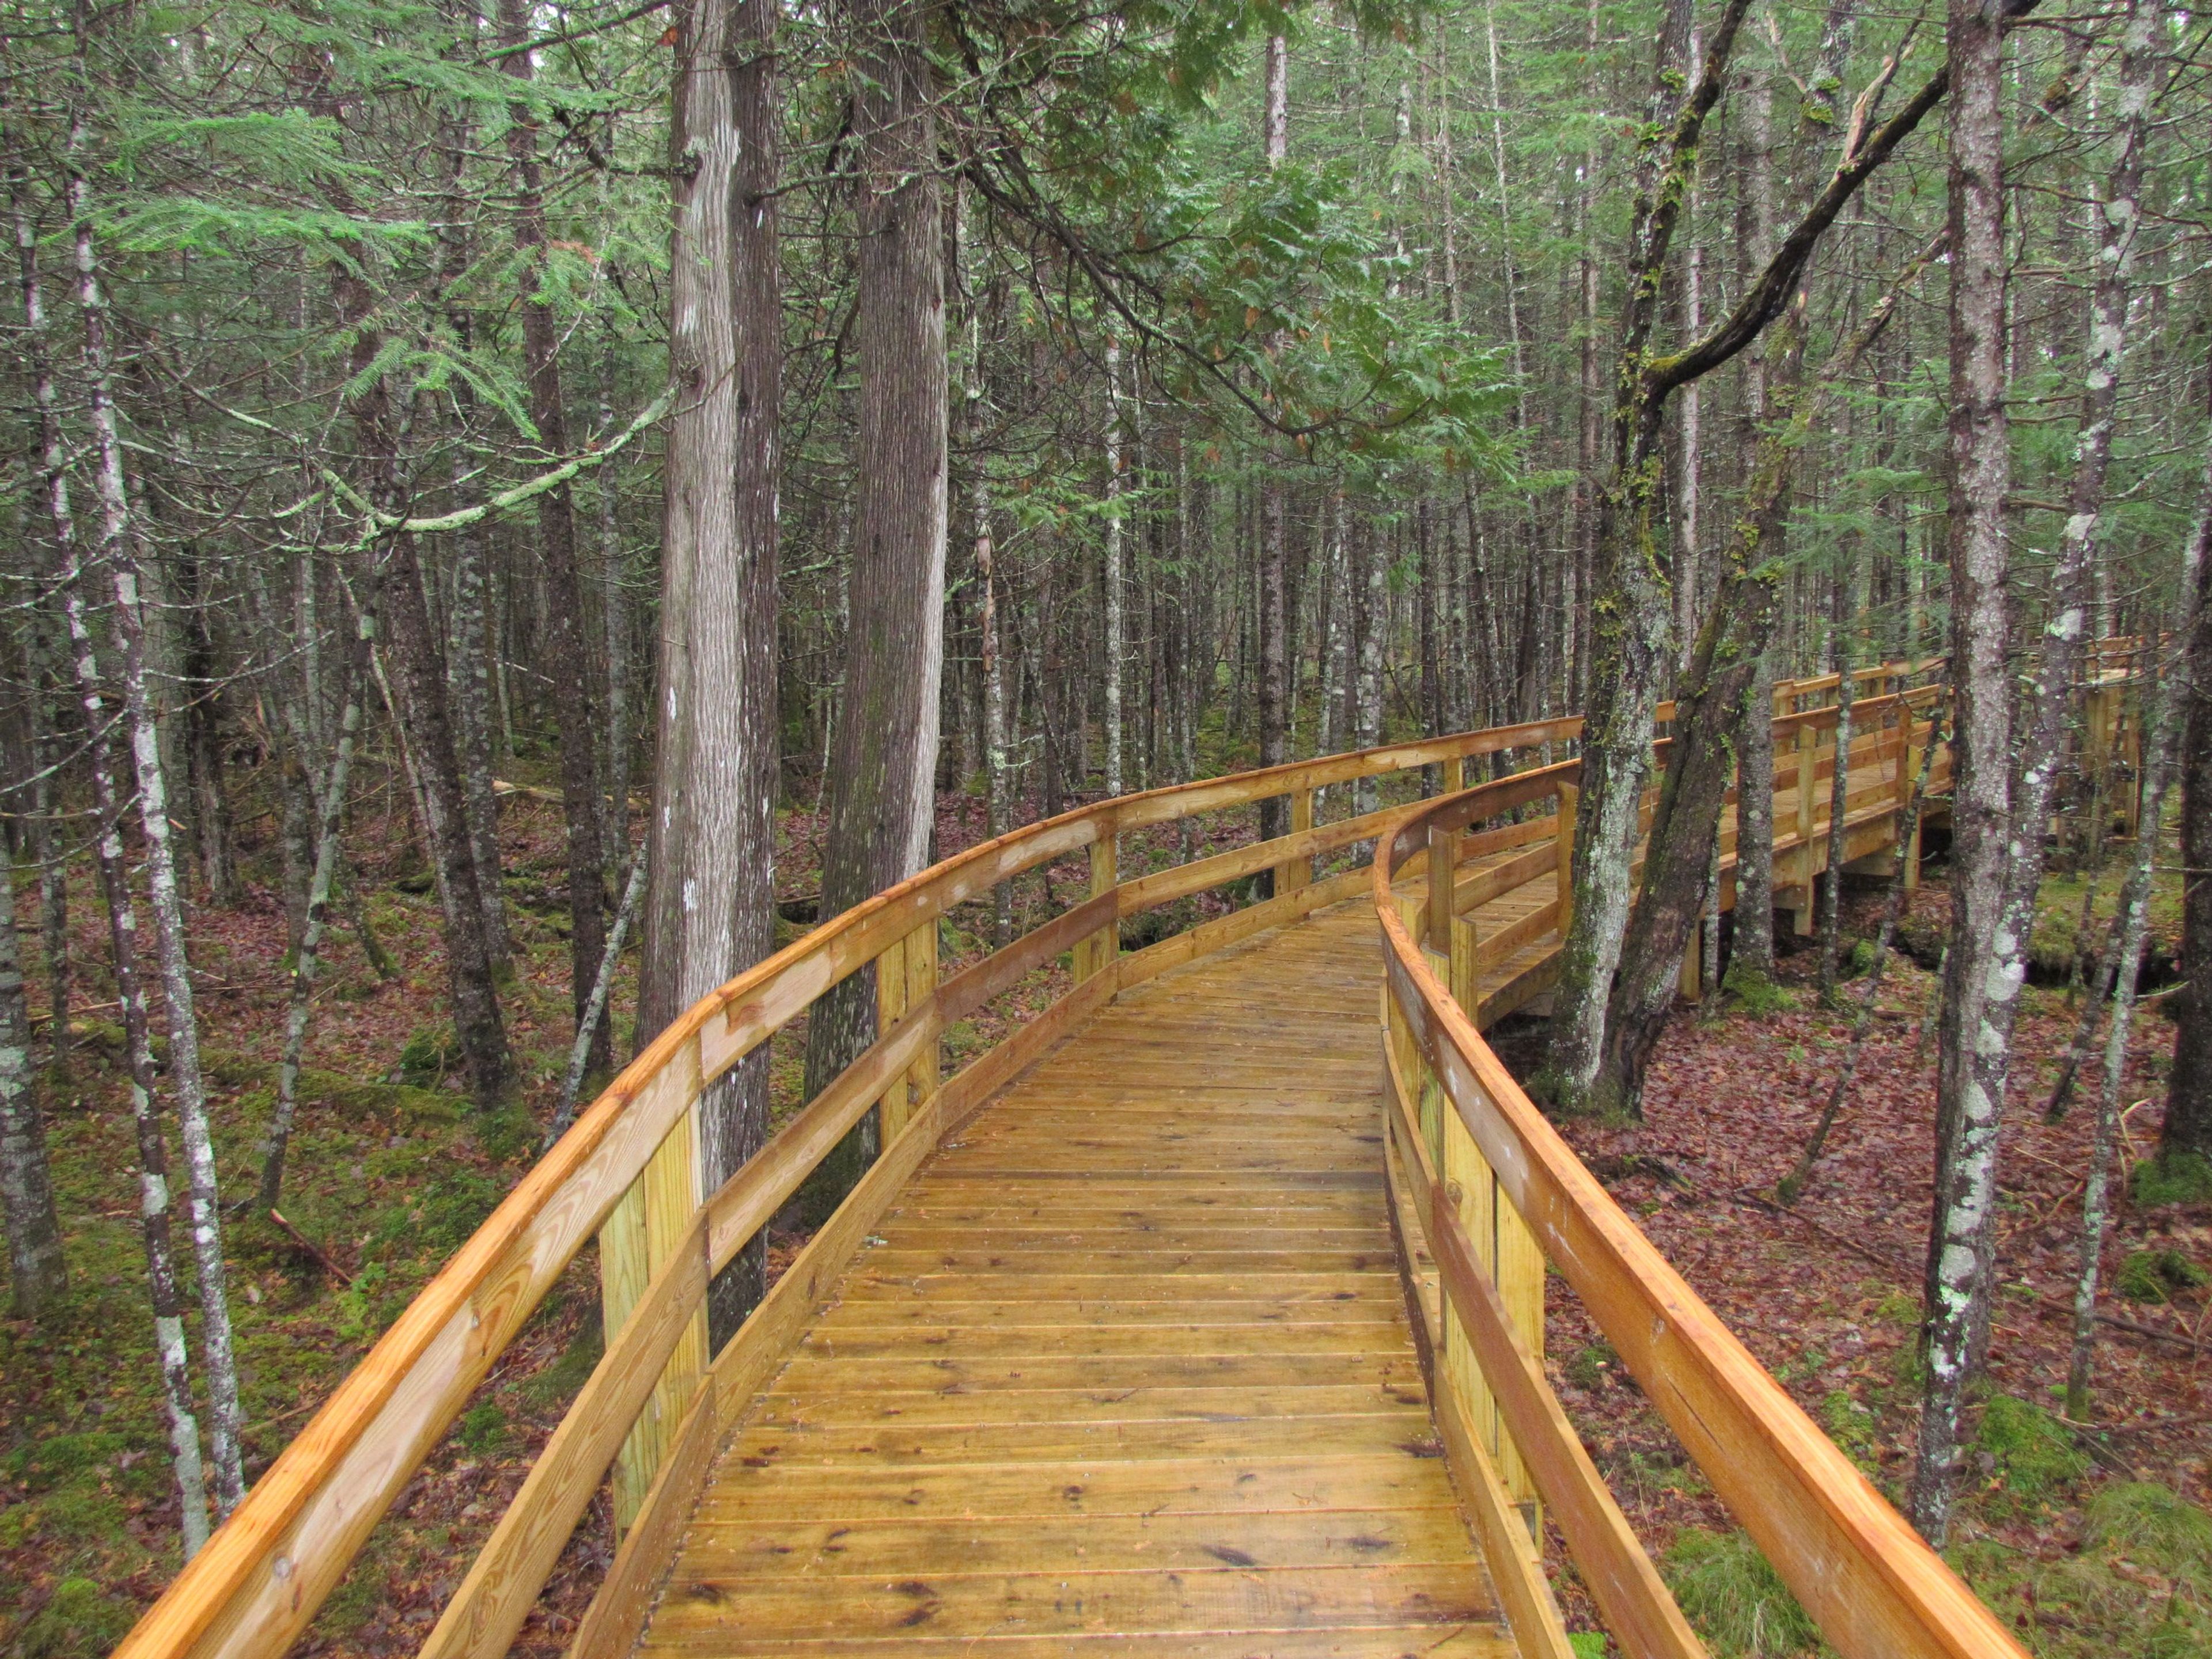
[{"x": 651, "y": 1222}]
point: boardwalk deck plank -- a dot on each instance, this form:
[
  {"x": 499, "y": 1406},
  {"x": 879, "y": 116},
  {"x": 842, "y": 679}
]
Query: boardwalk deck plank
[{"x": 1128, "y": 1372}]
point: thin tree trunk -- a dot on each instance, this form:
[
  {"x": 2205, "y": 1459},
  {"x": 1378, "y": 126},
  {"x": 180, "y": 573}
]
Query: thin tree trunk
[
  {"x": 1977, "y": 1002},
  {"x": 1831, "y": 923},
  {"x": 38, "y": 1273},
  {"x": 992, "y": 667},
  {"x": 711, "y": 904},
  {"x": 1792, "y": 1185},
  {"x": 603, "y": 982},
  {"x": 472, "y": 720},
  {"x": 2131, "y": 924},
  {"x": 1115, "y": 644},
  {"x": 1272, "y": 629},
  {"x": 329, "y": 819},
  {"x": 571, "y": 642},
  {"x": 418, "y": 692},
  {"x": 154, "y": 1231},
  {"x": 116, "y": 551}
]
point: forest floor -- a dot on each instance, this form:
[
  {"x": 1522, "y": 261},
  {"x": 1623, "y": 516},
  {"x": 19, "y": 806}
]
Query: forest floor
[{"x": 2090, "y": 1542}]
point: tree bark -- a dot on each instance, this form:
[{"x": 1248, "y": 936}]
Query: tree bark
[
  {"x": 116, "y": 549},
  {"x": 1634, "y": 574},
  {"x": 710, "y": 908},
  {"x": 883, "y": 773},
  {"x": 1978, "y": 1000},
  {"x": 574, "y": 711},
  {"x": 330, "y": 820},
  {"x": 154, "y": 1216},
  {"x": 36, "y": 1273},
  {"x": 1117, "y": 645}
]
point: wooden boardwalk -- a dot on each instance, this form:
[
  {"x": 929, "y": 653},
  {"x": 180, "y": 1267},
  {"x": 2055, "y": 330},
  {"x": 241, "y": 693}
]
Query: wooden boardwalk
[
  {"x": 1126, "y": 1368},
  {"x": 1109, "y": 1351}
]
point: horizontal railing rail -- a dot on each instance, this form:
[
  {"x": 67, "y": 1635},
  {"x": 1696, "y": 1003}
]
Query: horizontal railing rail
[
  {"x": 1485, "y": 1188},
  {"x": 627, "y": 1174}
]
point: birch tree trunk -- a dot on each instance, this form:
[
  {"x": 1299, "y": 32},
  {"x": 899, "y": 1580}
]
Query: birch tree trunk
[
  {"x": 153, "y": 1219},
  {"x": 710, "y": 910},
  {"x": 1978, "y": 1000},
  {"x": 117, "y": 551},
  {"x": 883, "y": 773}
]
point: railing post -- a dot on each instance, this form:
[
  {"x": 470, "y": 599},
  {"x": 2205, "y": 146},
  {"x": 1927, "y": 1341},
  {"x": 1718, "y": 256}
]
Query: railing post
[
  {"x": 1809, "y": 765},
  {"x": 1569, "y": 800},
  {"x": 1443, "y": 863},
  {"x": 1907, "y": 772},
  {"x": 1098, "y": 950},
  {"x": 1454, "y": 775},
  {"x": 906, "y": 973},
  {"x": 1296, "y": 873},
  {"x": 649, "y": 1222}
]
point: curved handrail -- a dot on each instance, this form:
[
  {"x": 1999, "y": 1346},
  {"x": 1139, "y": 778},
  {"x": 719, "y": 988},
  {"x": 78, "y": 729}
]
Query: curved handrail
[
  {"x": 1868, "y": 1580},
  {"x": 259, "y": 1581},
  {"x": 624, "y": 1171}
]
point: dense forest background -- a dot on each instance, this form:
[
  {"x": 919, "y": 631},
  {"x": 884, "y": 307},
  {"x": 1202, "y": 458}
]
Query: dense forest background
[{"x": 480, "y": 489}]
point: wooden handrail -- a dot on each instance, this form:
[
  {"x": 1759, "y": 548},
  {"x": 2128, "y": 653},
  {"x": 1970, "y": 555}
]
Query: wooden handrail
[
  {"x": 1872, "y": 1584},
  {"x": 625, "y": 1171},
  {"x": 259, "y": 1580}
]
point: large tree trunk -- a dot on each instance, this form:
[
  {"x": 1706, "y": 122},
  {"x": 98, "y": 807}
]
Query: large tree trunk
[
  {"x": 711, "y": 908},
  {"x": 882, "y": 771},
  {"x": 1978, "y": 1000},
  {"x": 1719, "y": 711},
  {"x": 1635, "y": 599},
  {"x": 572, "y": 642}
]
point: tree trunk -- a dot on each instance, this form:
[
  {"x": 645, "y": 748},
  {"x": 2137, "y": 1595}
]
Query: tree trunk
[
  {"x": 1977, "y": 1001},
  {"x": 394, "y": 586},
  {"x": 471, "y": 684},
  {"x": 1115, "y": 644},
  {"x": 571, "y": 642},
  {"x": 882, "y": 776},
  {"x": 2187, "y": 1132},
  {"x": 37, "y": 1272},
  {"x": 117, "y": 550},
  {"x": 1273, "y": 621},
  {"x": 711, "y": 906},
  {"x": 154, "y": 1231},
  {"x": 330, "y": 820}
]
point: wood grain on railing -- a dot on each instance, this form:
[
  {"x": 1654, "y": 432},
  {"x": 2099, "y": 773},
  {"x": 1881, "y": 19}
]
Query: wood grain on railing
[
  {"x": 628, "y": 1172},
  {"x": 1871, "y": 1583}
]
